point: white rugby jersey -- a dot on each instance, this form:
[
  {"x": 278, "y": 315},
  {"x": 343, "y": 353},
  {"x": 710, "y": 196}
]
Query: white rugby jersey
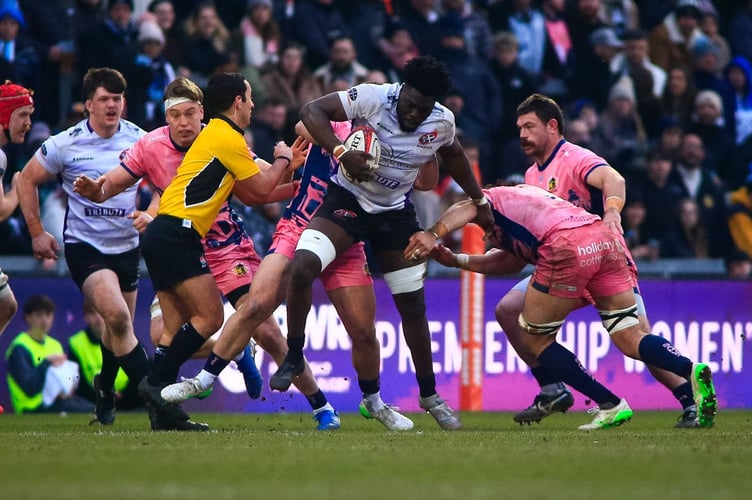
[
  {"x": 79, "y": 150},
  {"x": 402, "y": 153}
]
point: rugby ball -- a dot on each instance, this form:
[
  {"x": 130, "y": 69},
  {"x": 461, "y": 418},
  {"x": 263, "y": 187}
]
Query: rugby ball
[{"x": 364, "y": 138}]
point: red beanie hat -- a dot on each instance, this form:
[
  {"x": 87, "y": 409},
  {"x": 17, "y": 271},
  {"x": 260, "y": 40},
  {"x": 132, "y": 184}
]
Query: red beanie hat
[{"x": 12, "y": 97}]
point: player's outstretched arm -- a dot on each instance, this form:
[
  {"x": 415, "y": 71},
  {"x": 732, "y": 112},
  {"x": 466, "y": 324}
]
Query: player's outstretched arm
[
  {"x": 422, "y": 243},
  {"x": 33, "y": 174},
  {"x": 495, "y": 261},
  {"x": 110, "y": 184}
]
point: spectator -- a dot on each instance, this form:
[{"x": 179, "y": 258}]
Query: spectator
[
  {"x": 471, "y": 76},
  {"x": 591, "y": 73},
  {"x": 709, "y": 27},
  {"x": 670, "y": 42},
  {"x": 84, "y": 349},
  {"x": 649, "y": 106},
  {"x": 514, "y": 81},
  {"x": 670, "y": 140},
  {"x": 40, "y": 376},
  {"x": 719, "y": 145},
  {"x": 475, "y": 28},
  {"x": 421, "y": 18},
  {"x": 690, "y": 237},
  {"x": 366, "y": 21},
  {"x": 150, "y": 77},
  {"x": 164, "y": 13},
  {"x": 114, "y": 42},
  {"x": 290, "y": 81},
  {"x": 397, "y": 47},
  {"x": 20, "y": 60},
  {"x": 257, "y": 38},
  {"x": 577, "y": 132},
  {"x": 703, "y": 187},
  {"x": 343, "y": 69},
  {"x": 739, "y": 77},
  {"x": 636, "y": 50},
  {"x": 622, "y": 15},
  {"x": 679, "y": 97},
  {"x": 205, "y": 47},
  {"x": 558, "y": 49},
  {"x": 583, "y": 19},
  {"x": 707, "y": 76},
  {"x": 52, "y": 25},
  {"x": 640, "y": 242},
  {"x": 268, "y": 127},
  {"x": 659, "y": 196},
  {"x": 620, "y": 136},
  {"x": 740, "y": 216},
  {"x": 316, "y": 24},
  {"x": 529, "y": 26}
]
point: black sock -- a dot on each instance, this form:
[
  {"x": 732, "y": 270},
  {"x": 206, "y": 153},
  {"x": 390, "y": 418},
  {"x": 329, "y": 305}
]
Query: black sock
[
  {"x": 657, "y": 351},
  {"x": 109, "y": 369},
  {"x": 135, "y": 364},
  {"x": 184, "y": 345},
  {"x": 565, "y": 366},
  {"x": 159, "y": 354},
  {"x": 368, "y": 386},
  {"x": 543, "y": 376},
  {"x": 684, "y": 395},
  {"x": 214, "y": 364},
  {"x": 295, "y": 348},
  {"x": 317, "y": 400},
  {"x": 427, "y": 385}
]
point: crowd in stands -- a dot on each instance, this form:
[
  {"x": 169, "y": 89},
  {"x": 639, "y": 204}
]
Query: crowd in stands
[{"x": 662, "y": 89}]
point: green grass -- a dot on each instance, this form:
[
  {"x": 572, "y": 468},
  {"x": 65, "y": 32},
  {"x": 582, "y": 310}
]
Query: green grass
[{"x": 281, "y": 456}]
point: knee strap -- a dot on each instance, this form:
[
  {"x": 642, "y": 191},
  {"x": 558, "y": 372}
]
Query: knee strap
[
  {"x": 620, "y": 319},
  {"x": 409, "y": 279},
  {"x": 319, "y": 244},
  {"x": 539, "y": 329}
]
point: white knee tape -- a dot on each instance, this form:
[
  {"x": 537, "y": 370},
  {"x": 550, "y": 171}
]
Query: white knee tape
[
  {"x": 409, "y": 279},
  {"x": 619, "y": 319},
  {"x": 155, "y": 309},
  {"x": 539, "y": 329},
  {"x": 319, "y": 244}
]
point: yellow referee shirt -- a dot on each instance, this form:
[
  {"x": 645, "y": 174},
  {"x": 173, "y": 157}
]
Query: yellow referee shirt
[{"x": 207, "y": 174}]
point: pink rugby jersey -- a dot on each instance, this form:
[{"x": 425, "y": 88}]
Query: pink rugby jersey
[
  {"x": 524, "y": 216},
  {"x": 156, "y": 157},
  {"x": 565, "y": 174}
]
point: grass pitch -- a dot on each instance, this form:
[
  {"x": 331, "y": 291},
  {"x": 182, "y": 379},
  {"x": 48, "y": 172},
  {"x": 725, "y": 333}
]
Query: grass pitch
[{"x": 281, "y": 456}]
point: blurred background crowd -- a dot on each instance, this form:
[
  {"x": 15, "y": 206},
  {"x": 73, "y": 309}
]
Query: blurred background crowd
[{"x": 662, "y": 89}]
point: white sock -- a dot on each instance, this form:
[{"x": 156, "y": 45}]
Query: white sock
[
  {"x": 206, "y": 379},
  {"x": 240, "y": 356},
  {"x": 327, "y": 406},
  {"x": 374, "y": 401}
]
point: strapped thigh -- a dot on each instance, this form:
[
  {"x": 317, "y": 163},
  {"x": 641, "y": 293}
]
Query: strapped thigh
[
  {"x": 619, "y": 319},
  {"x": 539, "y": 329}
]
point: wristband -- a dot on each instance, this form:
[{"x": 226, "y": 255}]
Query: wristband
[
  {"x": 339, "y": 150},
  {"x": 289, "y": 161},
  {"x": 147, "y": 214},
  {"x": 463, "y": 260},
  {"x": 439, "y": 230},
  {"x": 479, "y": 202},
  {"x": 615, "y": 202},
  {"x": 102, "y": 193}
]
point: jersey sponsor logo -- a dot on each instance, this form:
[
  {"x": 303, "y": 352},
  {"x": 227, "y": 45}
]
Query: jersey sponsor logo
[
  {"x": 552, "y": 184},
  {"x": 83, "y": 158},
  {"x": 386, "y": 181},
  {"x": 76, "y": 131},
  {"x": 104, "y": 212},
  {"x": 427, "y": 138},
  {"x": 385, "y": 128},
  {"x": 44, "y": 149},
  {"x": 352, "y": 93},
  {"x": 345, "y": 214}
]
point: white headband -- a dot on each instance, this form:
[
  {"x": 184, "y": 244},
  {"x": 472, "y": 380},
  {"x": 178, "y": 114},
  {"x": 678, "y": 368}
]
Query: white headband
[{"x": 174, "y": 101}]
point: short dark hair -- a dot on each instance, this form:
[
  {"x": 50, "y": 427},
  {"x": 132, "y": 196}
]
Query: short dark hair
[
  {"x": 221, "y": 91},
  {"x": 38, "y": 303},
  {"x": 635, "y": 34},
  {"x": 183, "y": 87},
  {"x": 544, "y": 108},
  {"x": 658, "y": 154},
  {"x": 111, "y": 79},
  {"x": 427, "y": 75}
]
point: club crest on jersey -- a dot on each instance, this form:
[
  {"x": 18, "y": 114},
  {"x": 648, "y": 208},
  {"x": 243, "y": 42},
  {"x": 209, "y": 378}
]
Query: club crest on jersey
[
  {"x": 428, "y": 138},
  {"x": 552, "y": 184},
  {"x": 345, "y": 214},
  {"x": 352, "y": 93},
  {"x": 240, "y": 269},
  {"x": 122, "y": 154}
]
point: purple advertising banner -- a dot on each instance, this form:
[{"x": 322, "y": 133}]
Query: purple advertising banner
[{"x": 709, "y": 321}]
